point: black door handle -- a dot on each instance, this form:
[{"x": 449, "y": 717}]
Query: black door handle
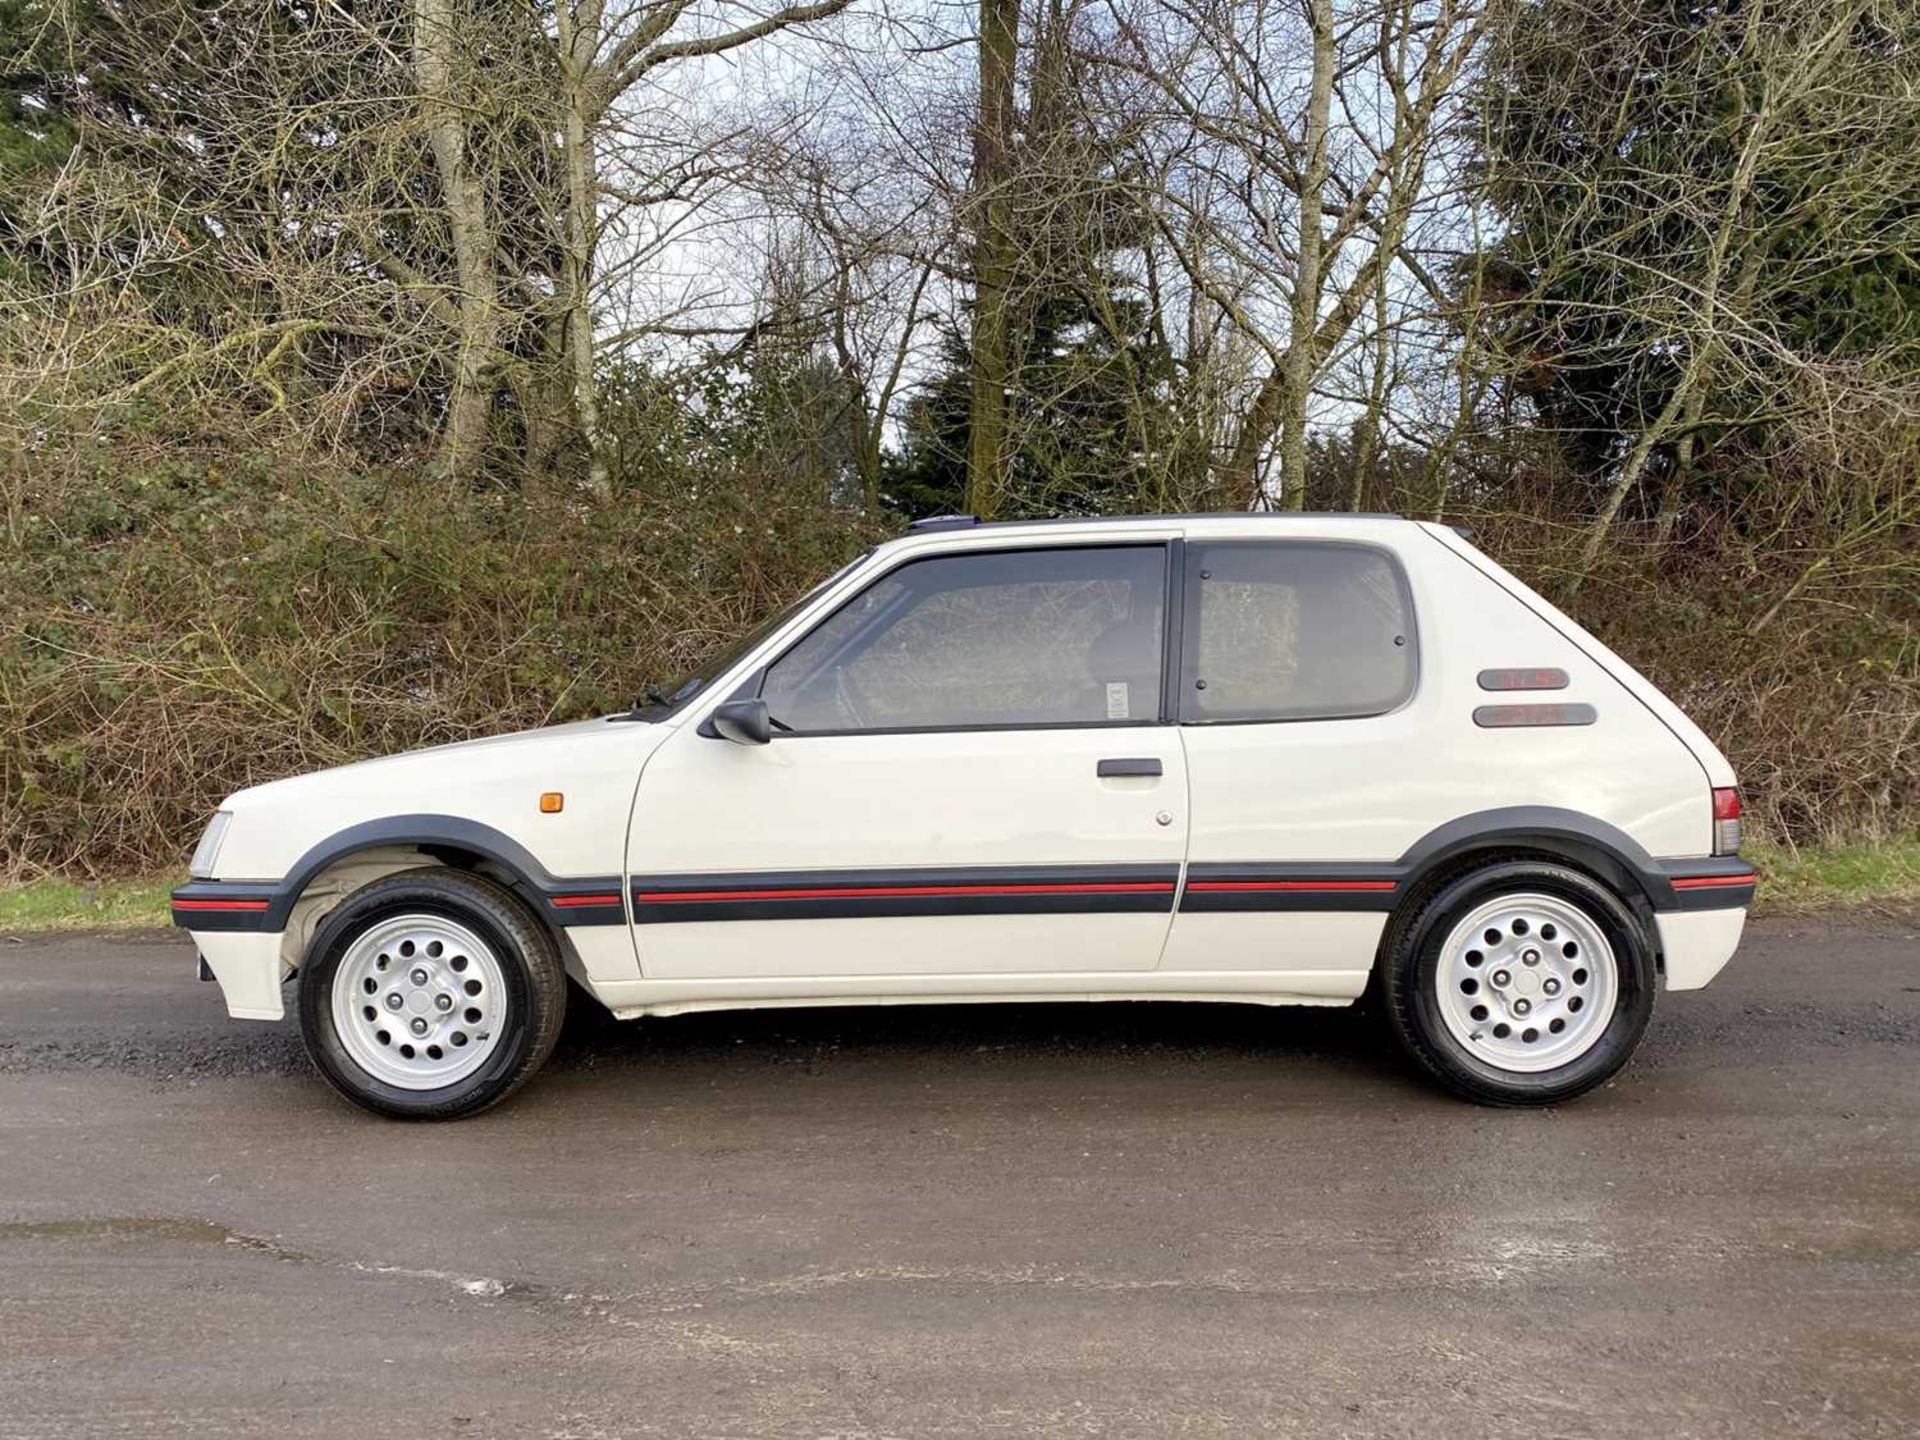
[{"x": 1109, "y": 768}]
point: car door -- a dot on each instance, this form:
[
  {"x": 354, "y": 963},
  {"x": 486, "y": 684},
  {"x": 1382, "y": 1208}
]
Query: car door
[
  {"x": 1305, "y": 739},
  {"x": 971, "y": 773}
]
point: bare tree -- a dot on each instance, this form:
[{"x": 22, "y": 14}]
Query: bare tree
[
  {"x": 609, "y": 49},
  {"x": 1289, "y": 188},
  {"x": 992, "y": 254},
  {"x": 449, "y": 92}
]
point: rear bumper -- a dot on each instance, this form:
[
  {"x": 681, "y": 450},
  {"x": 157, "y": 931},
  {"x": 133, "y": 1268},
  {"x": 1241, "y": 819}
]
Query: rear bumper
[
  {"x": 1704, "y": 913},
  {"x": 1718, "y": 882},
  {"x": 1697, "y": 943}
]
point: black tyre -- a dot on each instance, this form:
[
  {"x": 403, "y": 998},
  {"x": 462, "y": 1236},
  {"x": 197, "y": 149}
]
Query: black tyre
[
  {"x": 1520, "y": 983},
  {"x": 431, "y": 995}
]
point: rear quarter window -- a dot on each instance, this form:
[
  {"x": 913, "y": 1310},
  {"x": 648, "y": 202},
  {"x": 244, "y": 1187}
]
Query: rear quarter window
[{"x": 1295, "y": 630}]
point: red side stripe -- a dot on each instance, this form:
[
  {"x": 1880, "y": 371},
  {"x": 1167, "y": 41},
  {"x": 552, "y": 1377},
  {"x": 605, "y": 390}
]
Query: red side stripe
[
  {"x": 221, "y": 904},
  {"x": 1713, "y": 882},
  {"x": 860, "y": 892},
  {"x": 569, "y": 901},
  {"x": 1310, "y": 885}
]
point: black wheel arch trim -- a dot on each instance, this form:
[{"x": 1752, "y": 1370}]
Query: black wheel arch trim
[
  {"x": 566, "y": 901},
  {"x": 1568, "y": 834},
  {"x": 1708, "y": 882}
]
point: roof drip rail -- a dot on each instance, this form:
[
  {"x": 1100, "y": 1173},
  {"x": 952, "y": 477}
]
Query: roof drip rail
[
  {"x": 1277, "y": 518},
  {"x": 943, "y": 522}
]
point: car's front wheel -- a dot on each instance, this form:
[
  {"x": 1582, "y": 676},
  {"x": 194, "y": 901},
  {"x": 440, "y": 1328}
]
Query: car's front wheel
[
  {"x": 1521, "y": 983},
  {"x": 430, "y": 995}
]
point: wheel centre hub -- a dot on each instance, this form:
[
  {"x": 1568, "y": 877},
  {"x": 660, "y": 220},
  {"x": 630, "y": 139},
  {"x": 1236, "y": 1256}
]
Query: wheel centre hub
[
  {"x": 1526, "y": 982},
  {"x": 419, "y": 1002}
]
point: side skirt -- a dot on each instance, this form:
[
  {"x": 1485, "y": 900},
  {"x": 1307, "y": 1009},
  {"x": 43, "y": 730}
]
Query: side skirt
[{"x": 629, "y": 1000}]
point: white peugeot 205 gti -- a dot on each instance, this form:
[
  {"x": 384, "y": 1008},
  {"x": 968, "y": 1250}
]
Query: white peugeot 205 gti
[{"x": 1258, "y": 758}]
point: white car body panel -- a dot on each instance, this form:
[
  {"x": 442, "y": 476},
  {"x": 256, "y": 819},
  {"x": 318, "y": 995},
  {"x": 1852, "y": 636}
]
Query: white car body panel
[
  {"x": 1310, "y": 952},
  {"x": 1719, "y": 772},
  {"x": 1369, "y": 788},
  {"x": 650, "y": 800},
  {"x": 852, "y": 802},
  {"x": 495, "y": 781}
]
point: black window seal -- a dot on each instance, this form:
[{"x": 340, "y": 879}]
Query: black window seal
[
  {"x": 782, "y": 736},
  {"x": 1190, "y": 617},
  {"x": 1167, "y": 546},
  {"x": 1173, "y": 631}
]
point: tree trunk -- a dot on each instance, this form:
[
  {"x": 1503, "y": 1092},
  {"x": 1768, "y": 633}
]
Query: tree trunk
[
  {"x": 1367, "y": 441},
  {"x": 1630, "y": 471},
  {"x": 477, "y": 309},
  {"x": 1672, "y": 493},
  {"x": 579, "y": 34},
  {"x": 1271, "y": 402},
  {"x": 992, "y": 258},
  {"x": 1256, "y": 429},
  {"x": 1308, "y": 282}
]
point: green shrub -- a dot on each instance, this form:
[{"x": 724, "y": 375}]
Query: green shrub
[{"x": 181, "y": 627}]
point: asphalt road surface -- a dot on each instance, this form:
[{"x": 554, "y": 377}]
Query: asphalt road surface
[{"x": 1126, "y": 1220}]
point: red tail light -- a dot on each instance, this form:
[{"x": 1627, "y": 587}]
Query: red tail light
[{"x": 1726, "y": 821}]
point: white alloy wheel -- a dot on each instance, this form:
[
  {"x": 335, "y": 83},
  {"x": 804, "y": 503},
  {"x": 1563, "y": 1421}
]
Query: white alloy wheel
[
  {"x": 1527, "y": 982},
  {"x": 419, "y": 1001}
]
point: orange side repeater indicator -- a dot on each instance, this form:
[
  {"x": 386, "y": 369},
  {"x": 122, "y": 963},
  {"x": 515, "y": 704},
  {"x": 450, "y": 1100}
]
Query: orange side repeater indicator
[{"x": 552, "y": 802}]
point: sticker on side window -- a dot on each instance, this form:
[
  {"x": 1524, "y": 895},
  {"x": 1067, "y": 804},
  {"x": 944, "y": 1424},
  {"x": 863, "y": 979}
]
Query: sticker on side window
[{"x": 1117, "y": 700}]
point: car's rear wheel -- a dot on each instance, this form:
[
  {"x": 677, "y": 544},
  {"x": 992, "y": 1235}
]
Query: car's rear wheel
[
  {"x": 430, "y": 995},
  {"x": 1521, "y": 983}
]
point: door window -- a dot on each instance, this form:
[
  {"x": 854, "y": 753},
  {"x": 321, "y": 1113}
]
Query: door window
[
  {"x": 1295, "y": 630},
  {"x": 990, "y": 639}
]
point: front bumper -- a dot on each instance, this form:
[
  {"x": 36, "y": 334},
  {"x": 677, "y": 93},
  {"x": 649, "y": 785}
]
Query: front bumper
[
  {"x": 249, "y": 968},
  {"x": 238, "y": 929},
  {"x": 201, "y": 905}
]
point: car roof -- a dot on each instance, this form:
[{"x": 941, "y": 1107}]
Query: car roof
[
  {"x": 969, "y": 522},
  {"x": 947, "y": 532}
]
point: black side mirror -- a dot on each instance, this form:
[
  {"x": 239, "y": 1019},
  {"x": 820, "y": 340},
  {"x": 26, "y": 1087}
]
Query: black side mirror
[{"x": 744, "y": 722}]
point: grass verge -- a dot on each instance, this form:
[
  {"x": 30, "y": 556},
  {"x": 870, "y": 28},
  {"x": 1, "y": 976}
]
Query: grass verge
[
  {"x": 1817, "y": 877},
  {"x": 50, "y": 904},
  {"x": 1792, "y": 881}
]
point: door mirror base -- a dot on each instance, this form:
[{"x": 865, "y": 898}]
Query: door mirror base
[{"x": 744, "y": 722}]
